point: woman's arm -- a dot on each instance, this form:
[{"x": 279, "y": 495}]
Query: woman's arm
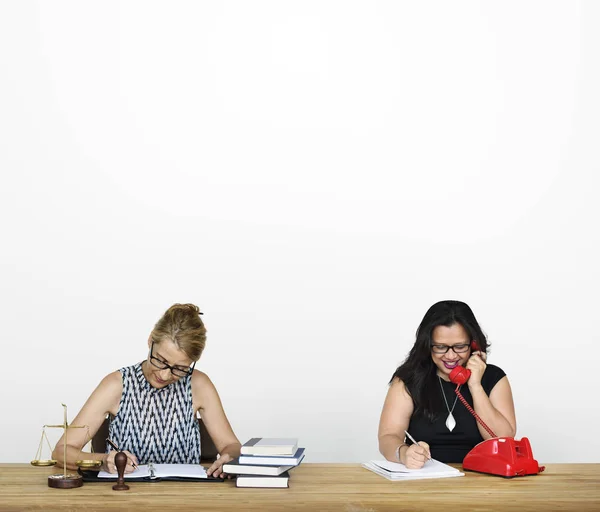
[
  {"x": 105, "y": 399},
  {"x": 395, "y": 417},
  {"x": 498, "y": 410},
  {"x": 217, "y": 424}
]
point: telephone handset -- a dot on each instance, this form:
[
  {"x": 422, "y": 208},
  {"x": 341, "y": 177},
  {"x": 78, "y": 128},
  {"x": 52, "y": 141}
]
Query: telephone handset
[
  {"x": 503, "y": 456},
  {"x": 460, "y": 375}
]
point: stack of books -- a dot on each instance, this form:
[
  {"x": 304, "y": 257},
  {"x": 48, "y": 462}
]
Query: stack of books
[{"x": 265, "y": 462}]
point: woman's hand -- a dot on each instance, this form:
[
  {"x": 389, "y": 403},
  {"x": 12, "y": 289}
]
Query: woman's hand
[
  {"x": 109, "y": 462},
  {"x": 216, "y": 469},
  {"x": 417, "y": 455},
  {"x": 476, "y": 364}
]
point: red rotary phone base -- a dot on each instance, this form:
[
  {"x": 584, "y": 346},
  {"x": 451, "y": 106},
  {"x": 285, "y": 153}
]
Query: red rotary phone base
[{"x": 502, "y": 456}]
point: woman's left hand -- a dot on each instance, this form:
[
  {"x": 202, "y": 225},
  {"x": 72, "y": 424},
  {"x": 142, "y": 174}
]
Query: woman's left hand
[
  {"x": 216, "y": 469},
  {"x": 476, "y": 364}
]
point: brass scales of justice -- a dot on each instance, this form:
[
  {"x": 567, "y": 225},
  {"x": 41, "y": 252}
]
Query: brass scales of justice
[{"x": 64, "y": 480}]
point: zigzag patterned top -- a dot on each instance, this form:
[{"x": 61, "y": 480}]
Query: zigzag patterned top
[{"x": 156, "y": 425}]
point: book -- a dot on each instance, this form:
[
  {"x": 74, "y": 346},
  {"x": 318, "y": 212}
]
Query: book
[
  {"x": 270, "y": 446},
  {"x": 281, "y": 481},
  {"x": 394, "y": 471},
  {"x": 153, "y": 471},
  {"x": 274, "y": 460},
  {"x": 235, "y": 468}
]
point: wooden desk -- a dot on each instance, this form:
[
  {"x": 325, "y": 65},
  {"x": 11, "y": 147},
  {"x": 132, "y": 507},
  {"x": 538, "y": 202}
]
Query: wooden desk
[{"x": 316, "y": 487}]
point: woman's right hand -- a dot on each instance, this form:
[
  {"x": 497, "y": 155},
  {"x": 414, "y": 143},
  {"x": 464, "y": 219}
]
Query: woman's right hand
[
  {"x": 416, "y": 455},
  {"x": 109, "y": 462}
]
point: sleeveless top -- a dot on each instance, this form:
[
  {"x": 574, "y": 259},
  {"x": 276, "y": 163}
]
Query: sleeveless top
[
  {"x": 452, "y": 446},
  {"x": 156, "y": 425}
]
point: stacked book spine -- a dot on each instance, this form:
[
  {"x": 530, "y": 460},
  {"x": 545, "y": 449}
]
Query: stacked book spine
[{"x": 265, "y": 462}]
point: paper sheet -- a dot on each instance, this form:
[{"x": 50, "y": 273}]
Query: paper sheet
[{"x": 162, "y": 471}]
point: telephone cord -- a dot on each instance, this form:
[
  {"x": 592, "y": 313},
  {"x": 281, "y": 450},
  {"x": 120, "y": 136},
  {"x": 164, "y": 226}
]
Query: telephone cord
[{"x": 475, "y": 415}]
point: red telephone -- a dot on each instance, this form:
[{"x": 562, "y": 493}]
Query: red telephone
[{"x": 503, "y": 456}]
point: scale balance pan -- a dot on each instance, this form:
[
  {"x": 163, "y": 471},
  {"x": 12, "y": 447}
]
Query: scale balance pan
[
  {"x": 89, "y": 464},
  {"x": 44, "y": 462}
]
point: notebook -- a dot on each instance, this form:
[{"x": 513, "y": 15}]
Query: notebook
[
  {"x": 263, "y": 481},
  {"x": 274, "y": 460},
  {"x": 270, "y": 446},
  {"x": 394, "y": 471},
  {"x": 153, "y": 471},
  {"x": 234, "y": 467}
]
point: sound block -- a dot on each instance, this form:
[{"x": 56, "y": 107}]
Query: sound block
[{"x": 61, "y": 482}]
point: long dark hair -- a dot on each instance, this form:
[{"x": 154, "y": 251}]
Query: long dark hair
[{"x": 418, "y": 372}]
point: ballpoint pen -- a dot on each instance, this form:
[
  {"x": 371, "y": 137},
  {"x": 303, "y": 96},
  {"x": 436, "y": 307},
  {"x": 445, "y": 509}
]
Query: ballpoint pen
[
  {"x": 117, "y": 448},
  {"x": 413, "y": 440}
]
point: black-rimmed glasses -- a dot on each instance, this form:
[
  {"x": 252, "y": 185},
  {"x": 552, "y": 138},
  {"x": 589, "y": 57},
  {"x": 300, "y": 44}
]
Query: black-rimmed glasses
[
  {"x": 177, "y": 371},
  {"x": 461, "y": 348}
]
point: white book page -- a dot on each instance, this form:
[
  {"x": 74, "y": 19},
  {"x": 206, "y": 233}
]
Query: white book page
[
  {"x": 180, "y": 470},
  {"x": 408, "y": 475},
  {"x": 162, "y": 471},
  {"x": 432, "y": 466},
  {"x": 141, "y": 472}
]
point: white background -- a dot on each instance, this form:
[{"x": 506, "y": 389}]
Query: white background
[{"x": 313, "y": 175}]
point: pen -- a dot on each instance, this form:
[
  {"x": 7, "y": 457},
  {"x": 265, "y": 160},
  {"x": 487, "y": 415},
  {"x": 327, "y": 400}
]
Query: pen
[
  {"x": 117, "y": 448},
  {"x": 413, "y": 440}
]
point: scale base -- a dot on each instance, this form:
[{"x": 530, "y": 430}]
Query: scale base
[{"x": 71, "y": 481}]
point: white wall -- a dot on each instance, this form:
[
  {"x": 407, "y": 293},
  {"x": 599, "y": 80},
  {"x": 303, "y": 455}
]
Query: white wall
[{"x": 314, "y": 175}]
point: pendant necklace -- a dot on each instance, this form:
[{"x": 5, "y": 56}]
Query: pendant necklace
[{"x": 450, "y": 421}]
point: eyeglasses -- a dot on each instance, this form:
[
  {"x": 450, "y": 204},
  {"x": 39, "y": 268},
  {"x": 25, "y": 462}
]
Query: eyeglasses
[
  {"x": 461, "y": 348},
  {"x": 178, "y": 371}
]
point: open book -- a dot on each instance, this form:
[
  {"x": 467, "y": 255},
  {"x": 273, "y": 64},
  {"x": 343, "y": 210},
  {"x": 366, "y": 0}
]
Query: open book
[
  {"x": 394, "y": 471},
  {"x": 153, "y": 471}
]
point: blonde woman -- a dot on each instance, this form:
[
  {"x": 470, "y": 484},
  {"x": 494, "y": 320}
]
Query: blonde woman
[{"x": 154, "y": 403}]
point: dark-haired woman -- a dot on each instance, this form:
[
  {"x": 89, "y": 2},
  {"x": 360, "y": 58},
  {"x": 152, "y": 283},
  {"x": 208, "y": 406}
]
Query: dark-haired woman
[{"x": 422, "y": 401}]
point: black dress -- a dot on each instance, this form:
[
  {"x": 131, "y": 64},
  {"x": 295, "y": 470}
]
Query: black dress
[{"x": 452, "y": 446}]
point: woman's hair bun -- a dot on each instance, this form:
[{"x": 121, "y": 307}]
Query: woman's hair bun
[{"x": 188, "y": 307}]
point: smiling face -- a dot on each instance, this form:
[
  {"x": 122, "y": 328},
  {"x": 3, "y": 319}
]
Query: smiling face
[
  {"x": 164, "y": 353},
  {"x": 453, "y": 336}
]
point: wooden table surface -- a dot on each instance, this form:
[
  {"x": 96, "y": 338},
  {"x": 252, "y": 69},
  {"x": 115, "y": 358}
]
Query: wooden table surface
[{"x": 316, "y": 487}]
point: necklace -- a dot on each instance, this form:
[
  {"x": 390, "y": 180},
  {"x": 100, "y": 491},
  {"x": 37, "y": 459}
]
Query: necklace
[{"x": 450, "y": 421}]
